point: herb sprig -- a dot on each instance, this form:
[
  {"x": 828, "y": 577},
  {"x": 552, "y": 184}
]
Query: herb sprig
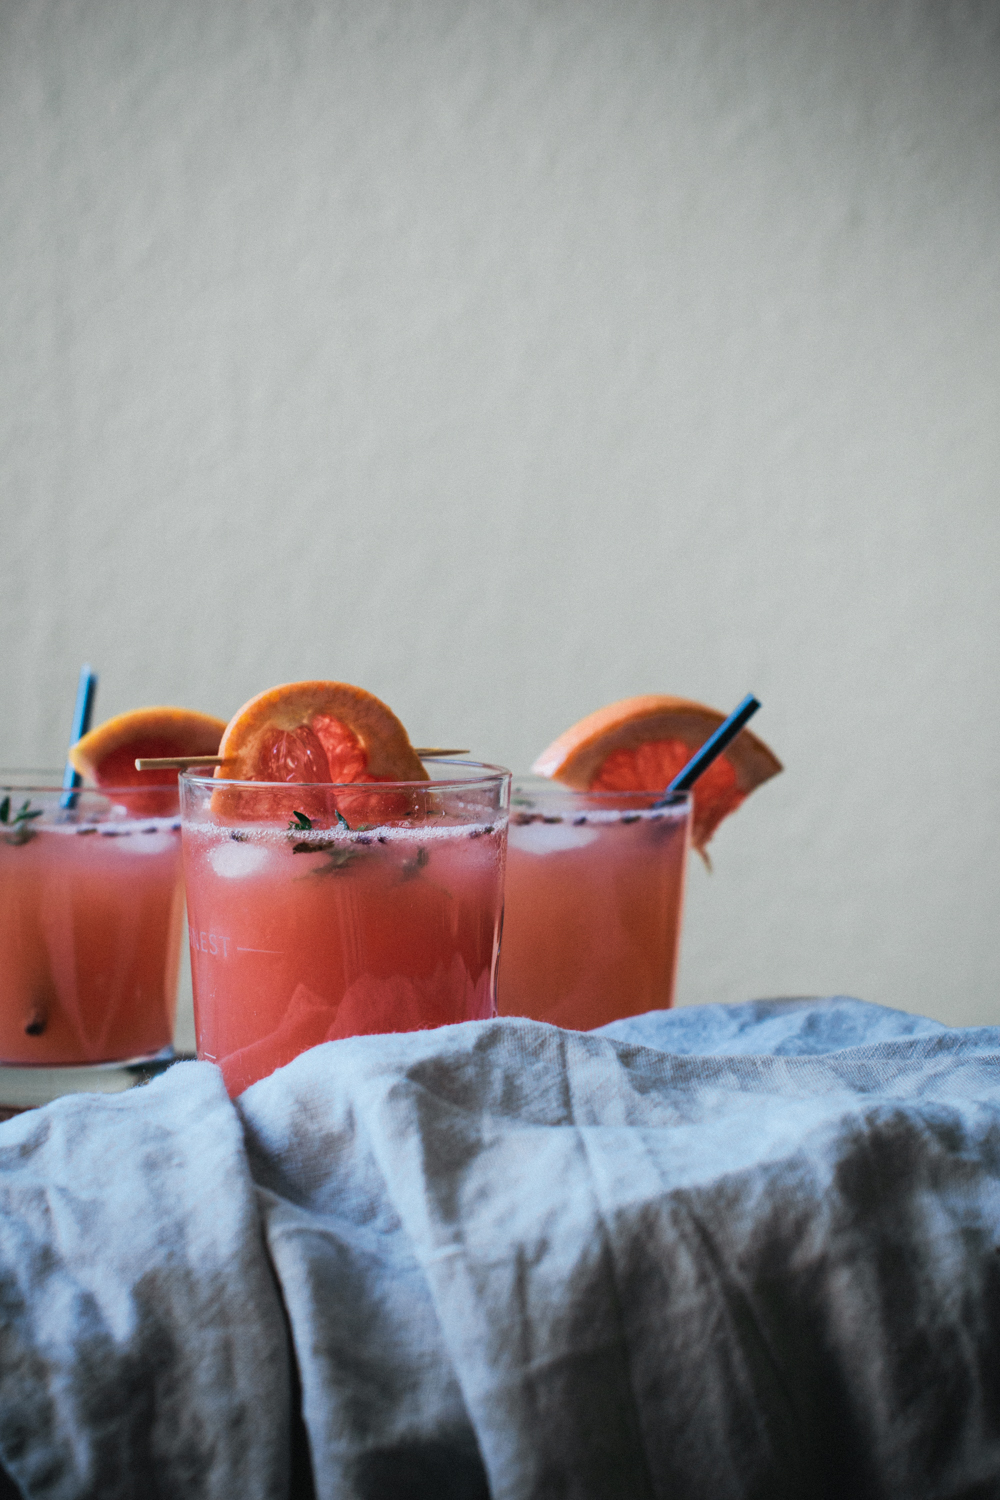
[
  {"x": 300, "y": 822},
  {"x": 412, "y": 867},
  {"x": 340, "y": 855},
  {"x": 20, "y": 824}
]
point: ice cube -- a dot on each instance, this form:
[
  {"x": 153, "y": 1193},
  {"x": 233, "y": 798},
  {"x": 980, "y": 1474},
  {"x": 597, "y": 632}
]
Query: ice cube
[
  {"x": 235, "y": 860},
  {"x": 152, "y": 843},
  {"x": 549, "y": 838}
]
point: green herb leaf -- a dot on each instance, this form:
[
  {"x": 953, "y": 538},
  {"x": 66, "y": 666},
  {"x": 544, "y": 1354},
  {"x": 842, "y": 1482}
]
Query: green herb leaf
[
  {"x": 415, "y": 865},
  {"x": 340, "y": 858},
  {"x": 22, "y": 834},
  {"x": 342, "y": 821},
  {"x": 20, "y": 823},
  {"x": 299, "y": 821}
]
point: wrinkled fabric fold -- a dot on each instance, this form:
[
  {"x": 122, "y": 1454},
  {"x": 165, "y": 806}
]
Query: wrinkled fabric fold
[
  {"x": 741, "y": 1251},
  {"x": 143, "y": 1347},
  {"x": 697, "y": 1274}
]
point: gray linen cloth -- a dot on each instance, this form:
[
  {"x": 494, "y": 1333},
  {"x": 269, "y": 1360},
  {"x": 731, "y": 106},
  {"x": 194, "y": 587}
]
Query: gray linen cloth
[{"x": 730, "y": 1251}]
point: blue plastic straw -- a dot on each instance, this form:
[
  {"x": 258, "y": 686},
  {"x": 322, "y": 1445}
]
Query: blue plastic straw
[
  {"x": 86, "y": 688},
  {"x": 711, "y": 749}
]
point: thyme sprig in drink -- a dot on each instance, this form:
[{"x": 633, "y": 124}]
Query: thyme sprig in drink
[
  {"x": 91, "y": 912},
  {"x": 598, "y": 852},
  {"x": 309, "y": 925},
  {"x": 91, "y": 906},
  {"x": 594, "y": 897},
  {"x": 337, "y": 884}
]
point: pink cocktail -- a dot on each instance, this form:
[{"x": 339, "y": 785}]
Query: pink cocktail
[
  {"x": 378, "y": 910},
  {"x": 91, "y": 912},
  {"x": 594, "y": 898}
]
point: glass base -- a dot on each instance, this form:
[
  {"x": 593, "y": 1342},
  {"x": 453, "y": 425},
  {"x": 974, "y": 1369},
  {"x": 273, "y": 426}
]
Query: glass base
[{"x": 30, "y": 1087}]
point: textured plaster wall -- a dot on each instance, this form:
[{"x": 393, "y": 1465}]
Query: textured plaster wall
[{"x": 512, "y": 357}]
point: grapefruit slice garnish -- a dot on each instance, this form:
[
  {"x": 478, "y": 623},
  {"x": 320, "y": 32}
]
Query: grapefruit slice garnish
[
  {"x": 107, "y": 755},
  {"x": 639, "y": 744},
  {"x": 316, "y": 732}
]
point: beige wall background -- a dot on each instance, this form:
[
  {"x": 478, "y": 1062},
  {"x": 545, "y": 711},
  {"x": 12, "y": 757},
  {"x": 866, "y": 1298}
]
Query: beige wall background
[{"x": 509, "y": 358}]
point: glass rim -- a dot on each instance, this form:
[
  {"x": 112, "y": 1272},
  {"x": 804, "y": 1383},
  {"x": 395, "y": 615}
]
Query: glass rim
[
  {"x": 492, "y": 773},
  {"x": 544, "y": 784}
]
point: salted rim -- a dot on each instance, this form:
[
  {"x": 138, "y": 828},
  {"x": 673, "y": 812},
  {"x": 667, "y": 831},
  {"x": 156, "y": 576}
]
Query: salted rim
[
  {"x": 160, "y": 823},
  {"x": 379, "y": 833}
]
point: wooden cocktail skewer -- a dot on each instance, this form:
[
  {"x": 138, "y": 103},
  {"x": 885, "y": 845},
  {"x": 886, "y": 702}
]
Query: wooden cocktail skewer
[
  {"x": 185, "y": 762},
  {"x": 178, "y": 762}
]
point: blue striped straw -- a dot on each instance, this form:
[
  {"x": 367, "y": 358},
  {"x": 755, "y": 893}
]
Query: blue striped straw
[
  {"x": 711, "y": 749},
  {"x": 86, "y": 688}
]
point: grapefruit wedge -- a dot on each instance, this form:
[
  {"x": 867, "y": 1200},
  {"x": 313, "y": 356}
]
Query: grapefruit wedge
[
  {"x": 639, "y": 744},
  {"x": 315, "y": 732},
  {"x": 106, "y": 756}
]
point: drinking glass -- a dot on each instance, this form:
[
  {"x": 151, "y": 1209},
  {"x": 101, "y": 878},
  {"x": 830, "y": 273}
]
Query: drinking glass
[
  {"x": 593, "y": 904},
  {"x": 318, "y": 911},
  {"x": 91, "y": 912}
]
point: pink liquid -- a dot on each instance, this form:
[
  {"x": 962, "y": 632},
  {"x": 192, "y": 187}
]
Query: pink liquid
[
  {"x": 90, "y": 926},
  {"x": 393, "y": 929},
  {"x": 592, "y": 913}
]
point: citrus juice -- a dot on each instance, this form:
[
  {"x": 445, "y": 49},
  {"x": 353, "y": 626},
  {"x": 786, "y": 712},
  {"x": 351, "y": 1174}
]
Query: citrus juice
[
  {"x": 91, "y": 912},
  {"x": 593, "y": 902},
  {"x": 302, "y": 935}
]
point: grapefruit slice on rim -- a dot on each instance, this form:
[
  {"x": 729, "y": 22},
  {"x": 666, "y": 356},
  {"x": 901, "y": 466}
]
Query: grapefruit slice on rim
[
  {"x": 639, "y": 744},
  {"x": 315, "y": 732},
  {"x": 106, "y": 756}
]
